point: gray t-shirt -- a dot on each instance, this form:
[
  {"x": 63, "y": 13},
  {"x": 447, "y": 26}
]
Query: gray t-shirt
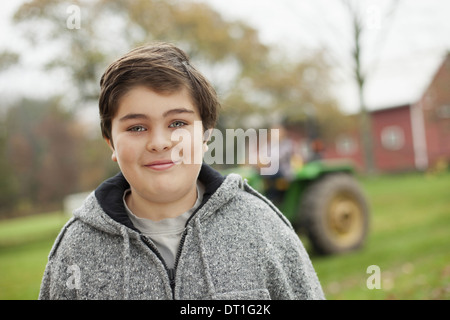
[{"x": 166, "y": 233}]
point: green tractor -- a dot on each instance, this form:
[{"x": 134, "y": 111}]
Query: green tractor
[{"x": 322, "y": 200}]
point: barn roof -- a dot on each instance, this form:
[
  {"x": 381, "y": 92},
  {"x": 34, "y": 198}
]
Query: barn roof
[{"x": 402, "y": 81}]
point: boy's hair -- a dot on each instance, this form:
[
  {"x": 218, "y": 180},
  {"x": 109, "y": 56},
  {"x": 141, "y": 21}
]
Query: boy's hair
[{"x": 161, "y": 67}]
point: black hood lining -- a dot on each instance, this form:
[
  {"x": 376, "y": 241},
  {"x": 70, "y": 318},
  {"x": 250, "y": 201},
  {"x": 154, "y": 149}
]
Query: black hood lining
[{"x": 110, "y": 193}]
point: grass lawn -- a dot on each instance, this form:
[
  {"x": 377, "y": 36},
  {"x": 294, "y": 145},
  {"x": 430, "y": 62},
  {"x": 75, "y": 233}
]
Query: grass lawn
[
  {"x": 408, "y": 241},
  {"x": 24, "y": 246}
]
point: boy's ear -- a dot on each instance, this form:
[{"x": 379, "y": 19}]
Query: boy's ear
[
  {"x": 111, "y": 146},
  {"x": 207, "y": 135},
  {"x": 206, "y": 138}
]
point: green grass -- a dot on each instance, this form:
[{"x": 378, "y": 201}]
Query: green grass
[
  {"x": 30, "y": 229},
  {"x": 409, "y": 240},
  {"x": 24, "y": 246}
]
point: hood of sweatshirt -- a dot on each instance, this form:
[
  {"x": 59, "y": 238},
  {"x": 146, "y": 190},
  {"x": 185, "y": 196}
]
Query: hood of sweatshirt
[
  {"x": 267, "y": 260},
  {"x": 104, "y": 210}
]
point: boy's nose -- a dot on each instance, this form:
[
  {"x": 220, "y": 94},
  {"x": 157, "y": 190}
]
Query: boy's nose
[{"x": 159, "y": 141}]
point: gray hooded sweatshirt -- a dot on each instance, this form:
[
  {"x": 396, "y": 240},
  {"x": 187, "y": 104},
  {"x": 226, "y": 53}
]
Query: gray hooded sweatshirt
[{"x": 236, "y": 245}]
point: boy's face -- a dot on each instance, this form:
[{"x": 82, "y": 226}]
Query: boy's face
[{"x": 142, "y": 145}]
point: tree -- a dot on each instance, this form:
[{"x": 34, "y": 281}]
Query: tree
[
  {"x": 8, "y": 59},
  {"x": 300, "y": 90},
  {"x": 42, "y": 154},
  {"x": 360, "y": 75},
  {"x": 229, "y": 52},
  {"x": 8, "y": 187},
  {"x": 110, "y": 28},
  {"x": 365, "y": 120}
]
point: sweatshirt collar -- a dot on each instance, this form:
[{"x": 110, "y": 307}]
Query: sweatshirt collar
[{"x": 110, "y": 193}]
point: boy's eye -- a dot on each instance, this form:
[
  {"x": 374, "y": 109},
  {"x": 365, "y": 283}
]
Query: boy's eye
[
  {"x": 177, "y": 124},
  {"x": 136, "y": 129}
]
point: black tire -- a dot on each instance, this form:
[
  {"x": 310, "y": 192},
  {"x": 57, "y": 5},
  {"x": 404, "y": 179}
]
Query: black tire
[{"x": 335, "y": 214}]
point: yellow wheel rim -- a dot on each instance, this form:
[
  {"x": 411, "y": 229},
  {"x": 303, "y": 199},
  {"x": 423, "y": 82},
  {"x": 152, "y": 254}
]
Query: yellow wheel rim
[{"x": 345, "y": 219}]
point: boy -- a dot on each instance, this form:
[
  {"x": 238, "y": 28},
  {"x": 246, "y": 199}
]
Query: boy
[{"x": 166, "y": 226}]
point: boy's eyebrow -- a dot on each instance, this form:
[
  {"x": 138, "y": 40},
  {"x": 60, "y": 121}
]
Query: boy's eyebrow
[
  {"x": 132, "y": 116},
  {"x": 178, "y": 110}
]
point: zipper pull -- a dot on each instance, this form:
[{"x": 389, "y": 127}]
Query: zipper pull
[{"x": 171, "y": 273}]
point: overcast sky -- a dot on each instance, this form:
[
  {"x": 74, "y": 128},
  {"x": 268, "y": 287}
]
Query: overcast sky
[
  {"x": 402, "y": 48},
  {"x": 403, "y": 44}
]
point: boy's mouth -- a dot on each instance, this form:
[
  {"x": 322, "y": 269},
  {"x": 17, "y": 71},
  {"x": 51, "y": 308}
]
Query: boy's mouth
[{"x": 160, "y": 165}]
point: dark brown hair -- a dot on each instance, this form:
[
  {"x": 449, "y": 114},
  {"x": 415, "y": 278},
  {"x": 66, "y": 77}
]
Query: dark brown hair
[{"x": 161, "y": 67}]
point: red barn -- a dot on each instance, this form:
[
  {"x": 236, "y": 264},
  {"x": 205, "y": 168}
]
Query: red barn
[
  {"x": 393, "y": 139},
  {"x": 412, "y": 136}
]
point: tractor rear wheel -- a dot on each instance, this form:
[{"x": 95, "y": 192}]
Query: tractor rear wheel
[{"x": 335, "y": 214}]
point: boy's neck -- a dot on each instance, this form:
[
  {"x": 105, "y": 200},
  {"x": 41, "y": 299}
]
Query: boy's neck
[{"x": 157, "y": 211}]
